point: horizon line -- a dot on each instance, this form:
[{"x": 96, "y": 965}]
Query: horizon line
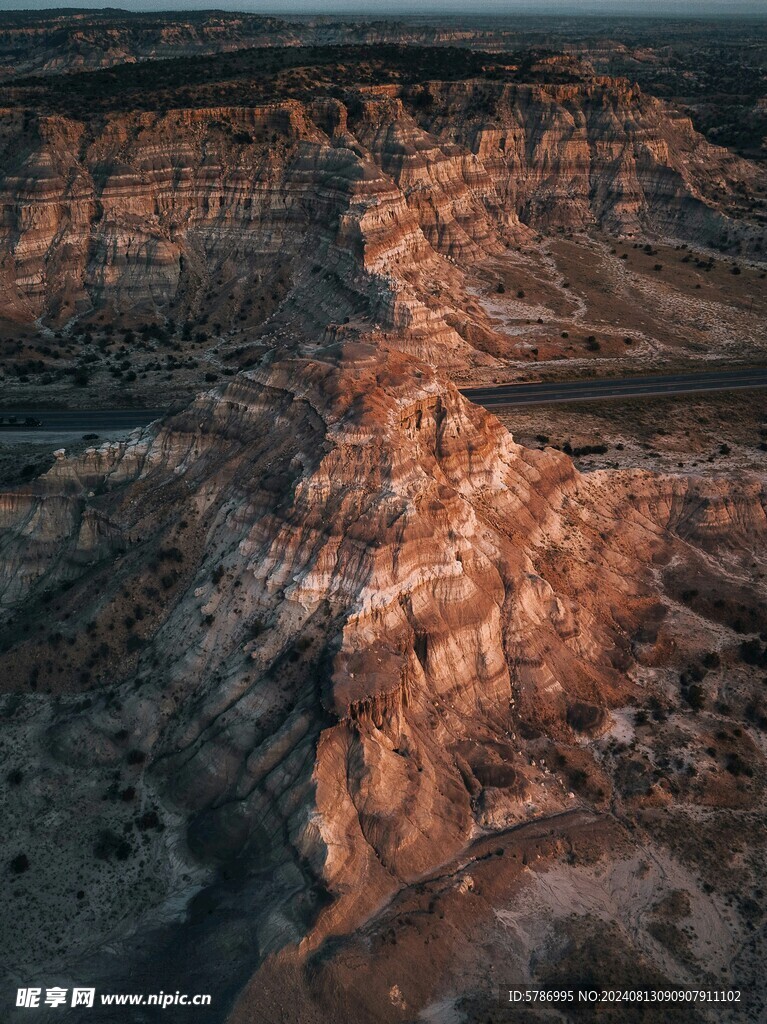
[{"x": 525, "y": 8}]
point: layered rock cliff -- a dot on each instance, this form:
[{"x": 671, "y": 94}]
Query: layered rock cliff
[
  {"x": 316, "y": 621},
  {"x": 84, "y": 41},
  {"x": 358, "y": 207},
  {"x": 277, "y": 669}
]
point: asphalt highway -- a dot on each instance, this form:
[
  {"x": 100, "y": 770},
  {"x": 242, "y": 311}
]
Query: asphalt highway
[
  {"x": 497, "y": 395},
  {"x": 64, "y": 426},
  {"x": 85, "y": 419},
  {"x": 111, "y": 422}
]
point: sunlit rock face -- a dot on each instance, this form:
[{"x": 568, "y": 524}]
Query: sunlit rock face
[
  {"x": 150, "y": 213},
  {"x": 291, "y": 650},
  {"x": 330, "y": 604}
]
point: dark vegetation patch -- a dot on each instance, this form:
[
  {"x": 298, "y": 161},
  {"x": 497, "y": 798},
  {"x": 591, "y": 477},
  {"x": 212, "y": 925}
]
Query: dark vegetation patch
[
  {"x": 722, "y": 602},
  {"x": 259, "y": 74},
  {"x": 585, "y": 718}
]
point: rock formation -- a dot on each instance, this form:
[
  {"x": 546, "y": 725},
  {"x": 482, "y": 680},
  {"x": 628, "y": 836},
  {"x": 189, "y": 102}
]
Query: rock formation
[
  {"x": 325, "y": 662},
  {"x": 361, "y": 205},
  {"x": 323, "y": 618},
  {"x": 87, "y": 40}
]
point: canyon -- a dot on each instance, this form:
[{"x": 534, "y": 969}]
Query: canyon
[
  {"x": 322, "y": 693},
  {"x": 710, "y": 67},
  {"x": 337, "y": 625},
  {"x": 409, "y": 208}
]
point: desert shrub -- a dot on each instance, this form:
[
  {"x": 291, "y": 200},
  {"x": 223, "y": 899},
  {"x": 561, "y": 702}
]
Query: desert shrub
[
  {"x": 752, "y": 653},
  {"x": 736, "y": 766},
  {"x": 695, "y": 696},
  {"x": 586, "y": 449},
  {"x": 19, "y": 864},
  {"x": 108, "y": 845},
  {"x": 147, "y": 820},
  {"x": 173, "y": 554}
]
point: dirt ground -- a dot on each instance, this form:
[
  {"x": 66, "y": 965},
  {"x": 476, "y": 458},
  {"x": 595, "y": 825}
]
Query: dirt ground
[
  {"x": 724, "y": 432},
  {"x": 589, "y": 305}
]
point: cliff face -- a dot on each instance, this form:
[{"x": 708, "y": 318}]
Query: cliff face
[
  {"x": 288, "y": 659},
  {"x": 85, "y": 41},
  {"x": 361, "y": 206},
  {"x": 329, "y": 605}
]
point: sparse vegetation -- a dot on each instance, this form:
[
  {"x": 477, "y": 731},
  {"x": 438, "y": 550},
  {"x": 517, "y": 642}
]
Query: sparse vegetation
[{"x": 19, "y": 864}]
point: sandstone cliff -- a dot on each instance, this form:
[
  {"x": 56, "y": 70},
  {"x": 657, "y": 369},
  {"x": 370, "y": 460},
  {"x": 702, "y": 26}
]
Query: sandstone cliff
[
  {"x": 320, "y": 617},
  {"x": 84, "y": 41},
  {"x": 333, "y": 211},
  {"x": 327, "y": 651}
]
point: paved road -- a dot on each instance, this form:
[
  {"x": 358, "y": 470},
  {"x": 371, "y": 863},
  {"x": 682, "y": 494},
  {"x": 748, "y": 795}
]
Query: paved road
[
  {"x": 64, "y": 426},
  {"x": 111, "y": 422},
  {"x": 498, "y": 395},
  {"x": 87, "y": 419}
]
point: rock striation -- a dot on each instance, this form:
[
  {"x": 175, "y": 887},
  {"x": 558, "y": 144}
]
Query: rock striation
[
  {"x": 296, "y": 655},
  {"x": 85, "y": 41},
  {"x": 364, "y": 206},
  {"x": 330, "y": 605}
]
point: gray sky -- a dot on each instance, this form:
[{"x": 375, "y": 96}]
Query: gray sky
[{"x": 424, "y": 7}]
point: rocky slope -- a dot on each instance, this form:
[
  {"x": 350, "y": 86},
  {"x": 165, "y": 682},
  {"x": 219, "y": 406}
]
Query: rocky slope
[
  {"x": 712, "y": 69},
  {"x": 333, "y": 210},
  {"x": 84, "y": 41},
  {"x": 287, "y": 653},
  {"x": 324, "y": 669}
]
